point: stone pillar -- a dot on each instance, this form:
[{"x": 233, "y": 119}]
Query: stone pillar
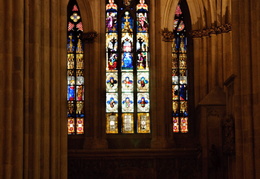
[
  {"x": 11, "y": 89},
  {"x": 160, "y": 73},
  {"x": 33, "y": 90},
  {"x": 246, "y": 38}
]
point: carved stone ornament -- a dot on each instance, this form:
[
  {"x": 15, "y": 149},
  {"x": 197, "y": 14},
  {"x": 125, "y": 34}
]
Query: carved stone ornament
[
  {"x": 89, "y": 37},
  {"x": 213, "y": 30},
  {"x": 167, "y": 35}
]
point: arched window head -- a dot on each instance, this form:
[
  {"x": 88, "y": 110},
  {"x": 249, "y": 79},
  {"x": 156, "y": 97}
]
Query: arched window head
[{"x": 127, "y": 67}]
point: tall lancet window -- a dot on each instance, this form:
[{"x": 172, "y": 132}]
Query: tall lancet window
[
  {"x": 179, "y": 75},
  {"x": 75, "y": 71},
  {"x": 127, "y": 67}
]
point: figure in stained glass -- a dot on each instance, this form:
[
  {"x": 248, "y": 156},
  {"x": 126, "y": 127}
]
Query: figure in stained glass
[
  {"x": 70, "y": 46},
  {"x": 71, "y": 93},
  {"x": 112, "y": 62},
  {"x": 127, "y": 23},
  {"x": 142, "y": 42},
  {"x": 127, "y": 102},
  {"x": 111, "y": 21},
  {"x": 70, "y": 109},
  {"x": 142, "y": 23},
  {"x": 111, "y": 81},
  {"x": 70, "y": 61},
  {"x": 143, "y": 102},
  {"x": 142, "y": 82},
  {"x": 127, "y": 45},
  {"x": 127, "y": 81},
  {"x": 79, "y": 93},
  {"x": 80, "y": 61},
  {"x": 112, "y": 102},
  {"x": 127, "y": 61},
  {"x": 141, "y": 62},
  {"x": 183, "y": 91},
  {"x": 79, "y": 110},
  {"x": 79, "y": 48},
  {"x": 112, "y": 43}
]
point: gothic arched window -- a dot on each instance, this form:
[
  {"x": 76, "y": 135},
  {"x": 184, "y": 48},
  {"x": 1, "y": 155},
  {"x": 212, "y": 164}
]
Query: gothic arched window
[
  {"x": 179, "y": 74},
  {"x": 127, "y": 67},
  {"x": 75, "y": 71}
]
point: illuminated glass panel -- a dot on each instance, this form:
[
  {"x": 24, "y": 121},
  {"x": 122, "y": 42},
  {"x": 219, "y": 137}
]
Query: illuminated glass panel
[
  {"x": 179, "y": 75},
  {"x": 112, "y": 123},
  {"x": 75, "y": 70},
  {"x": 143, "y": 123},
  {"x": 127, "y": 67}
]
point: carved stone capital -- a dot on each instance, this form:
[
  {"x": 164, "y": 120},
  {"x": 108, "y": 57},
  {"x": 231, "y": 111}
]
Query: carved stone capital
[
  {"x": 89, "y": 37},
  {"x": 167, "y": 35}
]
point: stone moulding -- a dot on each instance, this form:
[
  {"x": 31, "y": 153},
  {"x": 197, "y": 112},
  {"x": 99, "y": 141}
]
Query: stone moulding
[
  {"x": 213, "y": 30},
  {"x": 167, "y": 35}
]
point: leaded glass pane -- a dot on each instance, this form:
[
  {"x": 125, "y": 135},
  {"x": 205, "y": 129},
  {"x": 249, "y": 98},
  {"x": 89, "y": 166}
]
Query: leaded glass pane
[
  {"x": 75, "y": 71},
  {"x": 127, "y": 82},
  {"x": 112, "y": 102},
  {"x": 128, "y": 123},
  {"x": 127, "y": 102},
  {"x": 112, "y": 123},
  {"x": 179, "y": 74},
  {"x": 143, "y": 123},
  {"x": 142, "y": 82},
  {"x": 111, "y": 82},
  {"x": 143, "y": 102}
]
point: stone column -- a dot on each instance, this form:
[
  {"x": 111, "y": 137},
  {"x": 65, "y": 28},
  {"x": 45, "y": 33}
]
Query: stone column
[
  {"x": 160, "y": 89},
  {"x": 33, "y": 90},
  {"x": 11, "y": 89},
  {"x": 245, "y": 18}
]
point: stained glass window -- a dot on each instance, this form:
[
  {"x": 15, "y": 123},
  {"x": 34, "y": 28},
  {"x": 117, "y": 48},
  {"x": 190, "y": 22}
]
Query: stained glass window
[
  {"x": 127, "y": 67},
  {"x": 75, "y": 71},
  {"x": 179, "y": 75}
]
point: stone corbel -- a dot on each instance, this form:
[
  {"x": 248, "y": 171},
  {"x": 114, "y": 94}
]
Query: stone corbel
[
  {"x": 167, "y": 35},
  {"x": 89, "y": 37}
]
